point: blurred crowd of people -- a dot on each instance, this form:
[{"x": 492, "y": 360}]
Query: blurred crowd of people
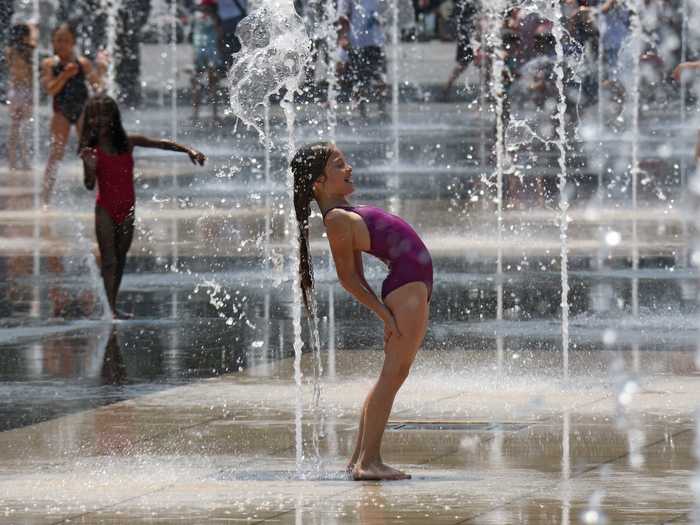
[{"x": 350, "y": 39}]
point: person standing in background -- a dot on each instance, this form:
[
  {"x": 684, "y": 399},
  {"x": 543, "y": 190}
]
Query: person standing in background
[
  {"x": 19, "y": 59},
  {"x": 230, "y": 12},
  {"x": 361, "y": 35}
]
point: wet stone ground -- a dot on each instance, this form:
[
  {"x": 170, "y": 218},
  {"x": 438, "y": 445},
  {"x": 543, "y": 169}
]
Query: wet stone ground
[{"x": 189, "y": 411}]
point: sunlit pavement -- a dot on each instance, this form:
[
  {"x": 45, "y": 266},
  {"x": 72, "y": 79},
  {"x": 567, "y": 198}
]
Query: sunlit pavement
[{"x": 527, "y": 448}]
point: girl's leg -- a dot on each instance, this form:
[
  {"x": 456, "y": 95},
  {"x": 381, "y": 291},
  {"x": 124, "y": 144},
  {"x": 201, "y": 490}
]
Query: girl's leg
[
  {"x": 212, "y": 89},
  {"x": 196, "y": 95},
  {"x": 107, "y": 242},
  {"x": 25, "y": 115},
  {"x": 13, "y": 140},
  {"x": 409, "y": 304},
  {"x": 125, "y": 234},
  {"x": 358, "y": 444},
  {"x": 60, "y": 128}
]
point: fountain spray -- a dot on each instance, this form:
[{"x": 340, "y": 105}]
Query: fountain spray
[
  {"x": 561, "y": 142},
  {"x": 109, "y": 8},
  {"x": 36, "y": 234},
  {"x": 636, "y": 26},
  {"x": 275, "y": 48},
  {"x": 330, "y": 17},
  {"x": 394, "y": 181},
  {"x": 495, "y": 41}
]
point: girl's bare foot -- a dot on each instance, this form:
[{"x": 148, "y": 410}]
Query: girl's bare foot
[{"x": 376, "y": 472}]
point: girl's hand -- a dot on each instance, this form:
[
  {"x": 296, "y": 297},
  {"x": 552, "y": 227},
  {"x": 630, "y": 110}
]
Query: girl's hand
[
  {"x": 197, "y": 157},
  {"x": 71, "y": 70},
  {"x": 391, "y": 329},
  {"x": 89, "y": 156}
]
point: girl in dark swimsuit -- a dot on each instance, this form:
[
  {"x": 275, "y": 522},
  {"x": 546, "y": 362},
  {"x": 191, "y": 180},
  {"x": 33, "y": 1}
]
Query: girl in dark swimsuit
[
  {"x": 321, "y": 173},
  {"x": 107, "y": 153},
  {"x": 65, "y": 77}
]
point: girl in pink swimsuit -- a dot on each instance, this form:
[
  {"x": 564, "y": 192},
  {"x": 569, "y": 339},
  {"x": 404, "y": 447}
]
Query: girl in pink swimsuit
[
  {"x": 321, "y": 173},
  {"x": 107, "y": 153}
]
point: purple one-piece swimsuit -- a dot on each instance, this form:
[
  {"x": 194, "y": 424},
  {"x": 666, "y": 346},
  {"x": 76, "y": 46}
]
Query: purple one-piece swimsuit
[{"x": 395, "y": 242}]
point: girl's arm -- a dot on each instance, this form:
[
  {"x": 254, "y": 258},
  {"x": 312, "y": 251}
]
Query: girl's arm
[
  {"x": 339, "y": 231},
  {"x": 361, "y": 270},
  {"x": 95, "y": 72},
  {"x": 684, "y": 66},
  {"x": 196, "y": 157},
  {"x": 54, "y": 83},
  {"x": 89, "y": 157}
]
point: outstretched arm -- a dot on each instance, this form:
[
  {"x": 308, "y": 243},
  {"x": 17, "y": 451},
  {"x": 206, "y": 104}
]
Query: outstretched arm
[
  {"x": 684, "y": 66},
  {"x": 196, "y": 157},
  {"x": 350, "y": 274}
]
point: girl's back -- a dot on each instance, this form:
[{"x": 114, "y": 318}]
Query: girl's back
[
  {"x": 19, "y": 55},
  {"x": 19, "y": 66}
]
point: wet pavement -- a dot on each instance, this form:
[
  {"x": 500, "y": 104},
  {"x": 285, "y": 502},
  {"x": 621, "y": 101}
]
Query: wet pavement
[{"x": 188, "y": 413}]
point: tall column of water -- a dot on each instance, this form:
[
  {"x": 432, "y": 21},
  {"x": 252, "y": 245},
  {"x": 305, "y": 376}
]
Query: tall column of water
[
  {"x": 290, "y": 115},
  {"x": 36, "y": 234},
  {"x": 173, "y": 134},
  {"x": 331, "y": 79},
  {"x": 683, "y": 114},
  {"x": 495, "y": 41},
  {"x": 268, "y": 201},
  {"x": 566, "y": 468},
  {"x": 635, "y": 48},
  {"x": 158, "y": 11},
  {"x": 275, "y": 47},
  {"x": 288, "y": 106},
  {"x": 173, "y": 71},
  {"x": 562, "y": 145},
  {"x": 600, "y": 195},
  {"x": 110, "y": 9},
  {"x": 331, "y": 332},
  {"x": 394, "y": 180}
]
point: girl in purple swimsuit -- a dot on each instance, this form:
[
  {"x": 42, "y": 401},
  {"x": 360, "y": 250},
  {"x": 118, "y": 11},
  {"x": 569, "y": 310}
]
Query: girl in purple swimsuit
[{"x": 321, "y": 173}]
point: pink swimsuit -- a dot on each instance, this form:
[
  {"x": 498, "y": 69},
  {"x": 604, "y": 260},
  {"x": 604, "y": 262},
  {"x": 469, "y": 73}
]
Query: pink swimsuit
[{"x": 395, "y": 242}]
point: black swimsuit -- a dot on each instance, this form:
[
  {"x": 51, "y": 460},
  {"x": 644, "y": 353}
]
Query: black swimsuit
[{"x": 70, "y": 101}]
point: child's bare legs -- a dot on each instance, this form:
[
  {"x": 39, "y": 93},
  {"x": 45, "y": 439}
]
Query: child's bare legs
[
  {"x": 113, "y": 241},
  {"x": 409, "y": 304},
  {"x": 456, "y": 72},
  {"x": 60, "y": 128},
  {"x": 212, "y": 91},
  {"x": 358, "y": 445},
  {"x": 196, "y": 95},
  {"x": 15, "y": 140}
]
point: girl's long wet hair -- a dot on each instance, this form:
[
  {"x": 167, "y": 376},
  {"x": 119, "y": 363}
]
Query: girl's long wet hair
[
  {"x": 18, "y": 34},
  {"x": 89, "y": 137},
  {"x": 307, "y": 166}
]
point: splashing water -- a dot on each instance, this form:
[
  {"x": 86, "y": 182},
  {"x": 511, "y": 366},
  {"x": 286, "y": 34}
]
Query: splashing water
[
  {"x": 558, "y": 34},
  {"x": 109, "y": 8},
  {"x": 494, "y": 40},
  {"x": 274, "y": 50}
]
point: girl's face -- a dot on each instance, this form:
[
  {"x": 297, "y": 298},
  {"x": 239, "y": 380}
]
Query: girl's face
[
  {"x": 63, "y": 43},
  {"x": 337, "y": 176},
  {"x": 101, "y": 119}
]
